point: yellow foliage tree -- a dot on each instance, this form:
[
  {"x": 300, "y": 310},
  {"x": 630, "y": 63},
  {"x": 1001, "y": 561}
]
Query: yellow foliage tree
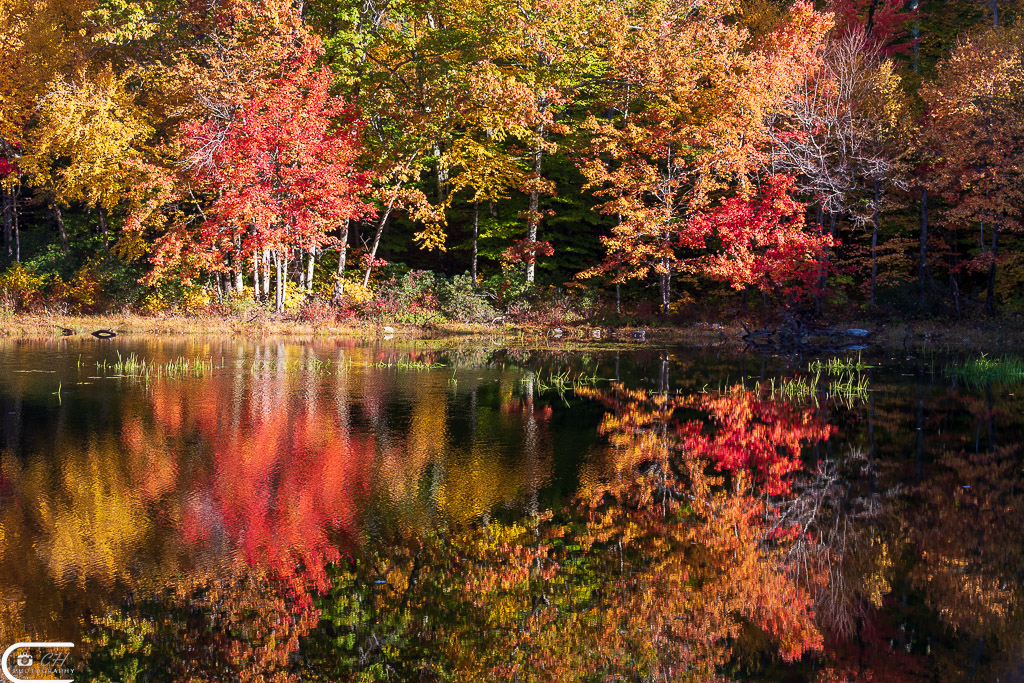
[{"x": 88, "y": 133}]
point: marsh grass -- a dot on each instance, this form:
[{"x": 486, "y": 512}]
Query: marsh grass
[
  {"x": 135, "y": 367},
  {"x": 985, "y": 370},
  {"x": 848, "y": 386},
  {"x": 292, "y": 365},
  {"x": 839, "y": 366},
  {"x": 406, "y": 365},
  {"x": 795, "y": 388},
  {"x": 562, "y": 382},
  {"x": 851, "y": 388}
]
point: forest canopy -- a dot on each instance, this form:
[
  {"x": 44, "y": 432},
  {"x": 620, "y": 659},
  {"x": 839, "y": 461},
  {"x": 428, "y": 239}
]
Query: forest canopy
[{"x": 478, "y": 159}]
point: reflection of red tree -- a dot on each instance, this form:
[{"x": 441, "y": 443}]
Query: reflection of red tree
[
  {"x": 739, "y": 430},
  {"x": 745, "y": 431},
  {"x": 702, "y": 560},
  {"x": 280, "y": 482}
]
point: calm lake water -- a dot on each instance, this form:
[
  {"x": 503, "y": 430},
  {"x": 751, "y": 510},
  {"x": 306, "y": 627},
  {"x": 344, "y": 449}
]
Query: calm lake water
[{"x": 359, "y": 510}]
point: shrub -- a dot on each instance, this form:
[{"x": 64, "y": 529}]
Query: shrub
[
  {"x": 418, "y": 289},
  {"x": 510, "y": 291},
  {"x": 355, "y": 294},
  {"x": 155, "y": 302},
  {"x": 196, "y": 300},
  {"x": 461, "y": 302},
  {"x": 242, "y": 305},
  {"x": 21, "y": 288},
  {"x": 82, "y": 291},
  {"x": 318, "y": 312}
]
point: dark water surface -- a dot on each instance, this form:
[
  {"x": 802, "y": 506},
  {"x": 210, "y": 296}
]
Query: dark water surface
[{"x": 346, "y": 510}]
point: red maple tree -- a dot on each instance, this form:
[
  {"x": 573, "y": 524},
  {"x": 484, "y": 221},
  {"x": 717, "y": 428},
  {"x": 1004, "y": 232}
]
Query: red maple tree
[{"x": 280, "y": 169}]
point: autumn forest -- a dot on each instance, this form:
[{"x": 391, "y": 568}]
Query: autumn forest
[{"x": 479, "y": 160}]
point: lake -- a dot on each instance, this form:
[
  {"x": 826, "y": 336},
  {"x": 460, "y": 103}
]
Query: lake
[{"x": 204, "y": 509}]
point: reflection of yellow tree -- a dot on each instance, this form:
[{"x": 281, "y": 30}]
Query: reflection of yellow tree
[
  {"x": 423, "y": 443},
  {"x": 85, "y": 524},
  {"x": 234, "y": 619},
  {"x": 969, "y": 535},
  {"x": 480, "y": 478}
]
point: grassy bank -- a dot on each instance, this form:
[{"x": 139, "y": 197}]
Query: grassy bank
[
  {"x": 27, "y": 325},
  {"x": 911, "y": 338}
]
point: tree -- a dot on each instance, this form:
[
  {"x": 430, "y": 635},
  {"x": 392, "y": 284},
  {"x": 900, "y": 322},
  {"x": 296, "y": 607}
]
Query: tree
[
  {"x": 760, "y": 240},
  {"x": 693, "y": 121},
  {"x": 404, "y": 65},
  {"x": 535, "y": 61},
  {"x": 487, "y": 171},
  {"x": 280, "y": 172},
  {"x": 977, "y": 134},
  {"x": 85, "y": 144},
  {"x": 838, "y": 130}
]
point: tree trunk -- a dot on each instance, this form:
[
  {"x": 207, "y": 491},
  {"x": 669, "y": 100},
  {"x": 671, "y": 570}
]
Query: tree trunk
[
  {"x": 874, "y": 246},
  {"x": 954, "y": 282},
  {"x": 339, "y": 283},
  {"x": 266, "y": 274},
  {"x": 8, "y": 222},
  {"x": 256, "y": 276},
  {"x": 476, "y": 237},
  {"x": 990, "y": 295},
  {"x": 17, "y": 226},
  {"x": 58, "y": 218},
  {"x": 534, "y": 207},
  {"x": 442, "y": 174},
  {"x": 665, "y": 285},
  {"x": 376, "y": 243},
  {"x": 826, "y": 260},
  {"x": 383, "y": 222},
  {"x": 923, "y": 264},
  {"x": 310, "y": 267},
  {"x": 822, "y": 264},
  {"x": 103, "y": 229},
  {"x": 279, "y": 290}
]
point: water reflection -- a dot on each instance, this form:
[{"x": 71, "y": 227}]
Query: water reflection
[{"x": 341, "y": 511}]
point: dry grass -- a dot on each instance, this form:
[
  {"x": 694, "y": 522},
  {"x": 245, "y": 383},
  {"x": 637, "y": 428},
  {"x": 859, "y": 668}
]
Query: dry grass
[
  {"x": 35, "y": 325},
  {"x": 27, "y": 325},
  {"x": 992, "y": 336}
]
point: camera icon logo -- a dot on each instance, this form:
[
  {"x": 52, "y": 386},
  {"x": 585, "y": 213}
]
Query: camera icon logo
[{"x": 53, "y": 664}]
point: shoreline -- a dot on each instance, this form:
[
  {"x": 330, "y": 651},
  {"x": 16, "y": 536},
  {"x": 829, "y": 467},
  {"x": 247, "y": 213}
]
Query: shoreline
[
  {"x": 997, "y": 337},
  {"x": 23, "y": 325}
]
